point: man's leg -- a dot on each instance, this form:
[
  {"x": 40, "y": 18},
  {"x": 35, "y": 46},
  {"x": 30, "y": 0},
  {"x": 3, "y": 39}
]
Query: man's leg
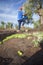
[
  {"x": 19, "y": 26},
  {"x": 23, "y": 22}
]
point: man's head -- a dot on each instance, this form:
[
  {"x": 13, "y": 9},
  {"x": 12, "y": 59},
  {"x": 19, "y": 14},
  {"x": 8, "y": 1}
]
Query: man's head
[{"x": 20, "y": 8}]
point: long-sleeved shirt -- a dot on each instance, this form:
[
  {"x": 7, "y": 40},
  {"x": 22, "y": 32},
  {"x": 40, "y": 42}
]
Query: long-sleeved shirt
[{"x": 20, "y": 15}]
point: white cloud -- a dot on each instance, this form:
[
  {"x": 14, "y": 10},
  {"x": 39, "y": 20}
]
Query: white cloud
[
  {"x": 8, "y": 16},
  {"x": 36, "y": 17},
  {"x": 9, "y": 11}
]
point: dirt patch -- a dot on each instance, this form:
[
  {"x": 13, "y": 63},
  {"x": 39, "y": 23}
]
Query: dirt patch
[{"x": 10, "y": 48}]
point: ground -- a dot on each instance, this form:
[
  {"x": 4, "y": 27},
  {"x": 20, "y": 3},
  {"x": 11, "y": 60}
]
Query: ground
[{"x": 10, "y": 48}]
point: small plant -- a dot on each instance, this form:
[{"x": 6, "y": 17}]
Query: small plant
[
  {"x": 20, "y": 36},
  {"x": 39, "y": 37},
  {"x": 36, "y": 43}
]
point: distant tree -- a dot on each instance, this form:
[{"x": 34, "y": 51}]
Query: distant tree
[
  {"x": 16, "y": 26},
  {"x": 2, "y": 24},
  {"x": 9, "y": 25}
]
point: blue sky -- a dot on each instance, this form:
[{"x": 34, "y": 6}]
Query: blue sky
[{"x": 8, "y": 10}]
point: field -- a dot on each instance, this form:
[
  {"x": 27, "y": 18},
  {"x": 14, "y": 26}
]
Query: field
[{"x": 27, "y": 43}]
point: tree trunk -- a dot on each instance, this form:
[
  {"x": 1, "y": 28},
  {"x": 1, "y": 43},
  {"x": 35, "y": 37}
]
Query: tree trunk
[
  {"x": 41, "y": 15},
  {"x": 41, "y": 19}
]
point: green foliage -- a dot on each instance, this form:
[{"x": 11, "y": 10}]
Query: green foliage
[
  {"x": 39, "y": 37},
  {"x": 16, "y": 26},
  {"x": 36, "y": 24},
  {"x": 2, "y": 25},
  {"x": 20, "y": 36},
  {"x": 32, "y": 6},
  {"x": 9, "y": 25},
  {"x": 35, "y": 42},
  {"x": 15, "y": 36},
  {"x": 0, "y": 43},
  {"x": 27, "y": 8}
]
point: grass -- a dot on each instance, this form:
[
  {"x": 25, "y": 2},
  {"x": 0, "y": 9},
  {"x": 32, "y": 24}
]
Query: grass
[
  {"x": 0, "y": 43},
  {"x": 15, "y": 36},
  {"x": 38, "y": 35}
]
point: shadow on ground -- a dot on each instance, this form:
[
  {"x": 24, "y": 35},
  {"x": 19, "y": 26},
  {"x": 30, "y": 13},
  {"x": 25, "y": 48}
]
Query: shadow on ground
[
  {"x": 5, "y": 61},
  {"x": 37, "y": 58}
]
